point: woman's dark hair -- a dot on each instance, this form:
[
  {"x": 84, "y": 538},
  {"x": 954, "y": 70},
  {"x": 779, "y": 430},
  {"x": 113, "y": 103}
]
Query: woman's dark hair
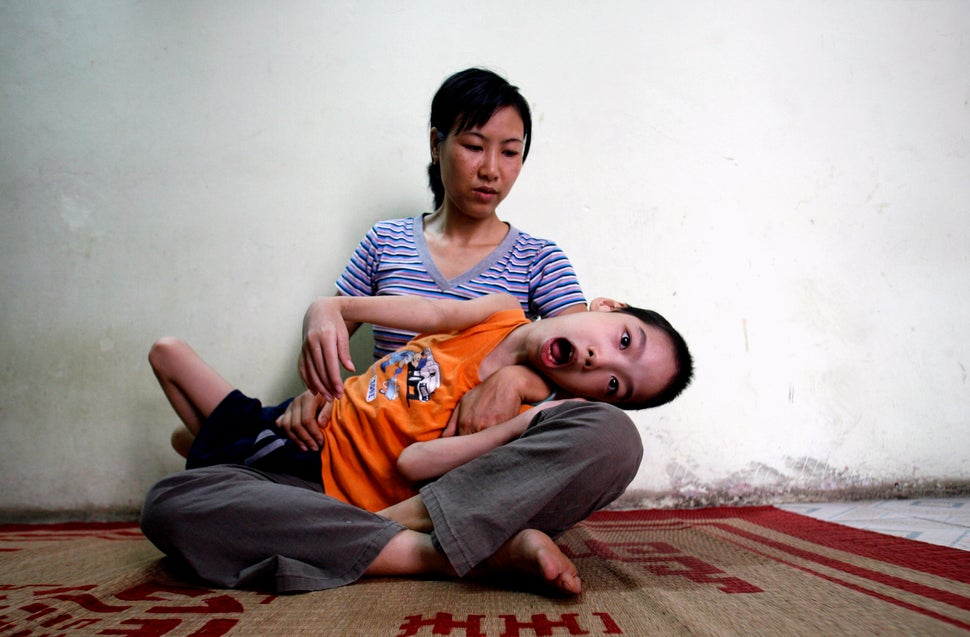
[
  {"x": 466, "y": 100},
  {"x": 682, "y": 357}
]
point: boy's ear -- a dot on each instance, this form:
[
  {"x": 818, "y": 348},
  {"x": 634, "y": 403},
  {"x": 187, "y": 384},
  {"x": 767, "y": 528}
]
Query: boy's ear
[{"x": 603, "y": 304}]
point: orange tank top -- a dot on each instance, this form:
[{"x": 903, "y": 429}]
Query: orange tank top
[{"x": 405, "y": 397}]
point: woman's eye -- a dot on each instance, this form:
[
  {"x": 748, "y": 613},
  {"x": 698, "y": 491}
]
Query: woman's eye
[
  {"x": 473, "y": 147},
  {"x": 624, "y": 341},
  {"x": 614, "y": 385},
  {"x": 511, "y": 153}
]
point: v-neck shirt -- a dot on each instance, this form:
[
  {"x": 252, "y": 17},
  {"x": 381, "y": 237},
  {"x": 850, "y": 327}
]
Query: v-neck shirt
[
  {"x": 393, "y": 258},
  {"x": 444, "y": 284}
]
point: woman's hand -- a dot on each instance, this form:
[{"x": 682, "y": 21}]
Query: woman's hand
[
  {"x": 497, "y": 399},
  {"x": 303, "y": 418},
  {"x": 326, "y": 348}
]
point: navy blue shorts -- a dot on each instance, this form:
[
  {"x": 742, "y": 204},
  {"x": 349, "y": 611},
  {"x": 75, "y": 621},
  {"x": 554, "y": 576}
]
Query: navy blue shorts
[{"x": 241, "y": 431}]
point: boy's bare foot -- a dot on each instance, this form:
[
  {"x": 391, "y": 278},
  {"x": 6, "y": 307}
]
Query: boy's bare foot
[{"x": 532, "y": 552}]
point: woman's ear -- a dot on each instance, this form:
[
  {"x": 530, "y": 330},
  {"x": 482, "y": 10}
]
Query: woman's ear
[
  {"x": 434, "y": 145},
  {"x": 603, "y": 304}
]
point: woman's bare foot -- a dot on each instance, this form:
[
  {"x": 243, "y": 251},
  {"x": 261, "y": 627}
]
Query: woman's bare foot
[{"x": 532, "y": 552}]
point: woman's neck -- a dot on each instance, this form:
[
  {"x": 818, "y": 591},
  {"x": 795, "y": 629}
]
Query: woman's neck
[
  {"x": 458, "y": 243},
  {"x": 458, "y": 229}
]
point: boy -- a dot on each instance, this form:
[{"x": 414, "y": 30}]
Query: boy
[
  {"x": 611, "y": 353},
  {"x": 403, "y": 399}
]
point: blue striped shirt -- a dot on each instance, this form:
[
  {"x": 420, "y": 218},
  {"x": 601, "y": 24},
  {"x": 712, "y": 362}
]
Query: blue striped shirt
[{"x": 393, "y": 258}]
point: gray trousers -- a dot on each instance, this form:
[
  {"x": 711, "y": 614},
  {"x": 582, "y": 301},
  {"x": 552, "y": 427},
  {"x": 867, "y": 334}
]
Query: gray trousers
[{"x": 234, "y": 526}]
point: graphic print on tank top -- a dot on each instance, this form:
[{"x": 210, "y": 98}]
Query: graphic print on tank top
[{"x": 419, "y": 369}]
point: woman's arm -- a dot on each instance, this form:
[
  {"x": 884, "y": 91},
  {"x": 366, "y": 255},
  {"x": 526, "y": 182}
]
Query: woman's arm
[{"x": 432, "y": 458}]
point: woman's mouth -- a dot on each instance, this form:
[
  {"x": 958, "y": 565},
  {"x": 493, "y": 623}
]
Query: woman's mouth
[{"x": 486, "y": 194}]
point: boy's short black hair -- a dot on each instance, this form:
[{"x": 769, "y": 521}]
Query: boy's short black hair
[{"x": 682, "y": 358}]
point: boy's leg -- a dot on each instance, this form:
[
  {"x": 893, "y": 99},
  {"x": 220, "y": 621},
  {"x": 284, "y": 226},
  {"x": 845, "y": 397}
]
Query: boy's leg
[
  {"x": 573, "y": 459},
  {"x": 192, "y": 387},
  {"x": 182, "y": 440}
]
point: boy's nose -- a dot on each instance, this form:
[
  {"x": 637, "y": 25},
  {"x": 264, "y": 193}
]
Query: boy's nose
[{"x": 590, "y": 357}]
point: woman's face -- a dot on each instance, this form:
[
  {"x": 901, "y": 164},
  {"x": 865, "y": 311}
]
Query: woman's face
[{"x": 479, "y": 166}]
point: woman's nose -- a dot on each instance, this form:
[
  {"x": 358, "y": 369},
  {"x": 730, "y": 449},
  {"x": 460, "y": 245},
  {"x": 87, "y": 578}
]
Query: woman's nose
[{"x": 488, "y": 169}]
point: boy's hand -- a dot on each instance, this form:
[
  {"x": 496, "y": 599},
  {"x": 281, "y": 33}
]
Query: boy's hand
[
  {"x": 498, "y": 398},
  {"x": 326, "y": 348},
  {"x": 303, "y": 419}
]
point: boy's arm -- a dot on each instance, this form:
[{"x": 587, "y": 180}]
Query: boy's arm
[
  {"x": 421, "y": 314},
  {"x": 326, "y": 344},
  {"x": 432, "y": 458}
]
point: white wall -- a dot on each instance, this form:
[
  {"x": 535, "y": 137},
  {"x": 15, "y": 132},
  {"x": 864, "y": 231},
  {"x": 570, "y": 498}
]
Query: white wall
[{"x": 788, "y": 182}]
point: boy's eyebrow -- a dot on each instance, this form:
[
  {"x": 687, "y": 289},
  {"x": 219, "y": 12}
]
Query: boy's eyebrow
[{"x": 641, "y": 346}]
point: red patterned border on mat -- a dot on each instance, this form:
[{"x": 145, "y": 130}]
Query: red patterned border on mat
[
  {"x": 26, "y": 533},
  {"x": 942, "y": 562},
  {"x": 69, "y": 526}
]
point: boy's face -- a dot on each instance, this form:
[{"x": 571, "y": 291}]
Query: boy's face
[{"x": 603, "y": 355}]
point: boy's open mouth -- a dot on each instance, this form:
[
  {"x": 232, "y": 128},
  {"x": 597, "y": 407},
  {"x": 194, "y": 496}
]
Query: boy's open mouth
[{"x": 560, "y": 351}]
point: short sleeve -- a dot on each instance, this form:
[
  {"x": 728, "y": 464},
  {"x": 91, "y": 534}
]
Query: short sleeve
[
  {"x": 358, "y": 277},
  {"x": 553, "y": 284}
]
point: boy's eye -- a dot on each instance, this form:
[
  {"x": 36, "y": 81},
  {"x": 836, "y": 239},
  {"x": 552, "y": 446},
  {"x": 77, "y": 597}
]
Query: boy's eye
[
  {"x": 625, "y": 341},
  {"x": 614, "y": 385}
]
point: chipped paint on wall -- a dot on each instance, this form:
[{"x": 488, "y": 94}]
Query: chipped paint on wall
[{"x": 799, "y": 480}]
